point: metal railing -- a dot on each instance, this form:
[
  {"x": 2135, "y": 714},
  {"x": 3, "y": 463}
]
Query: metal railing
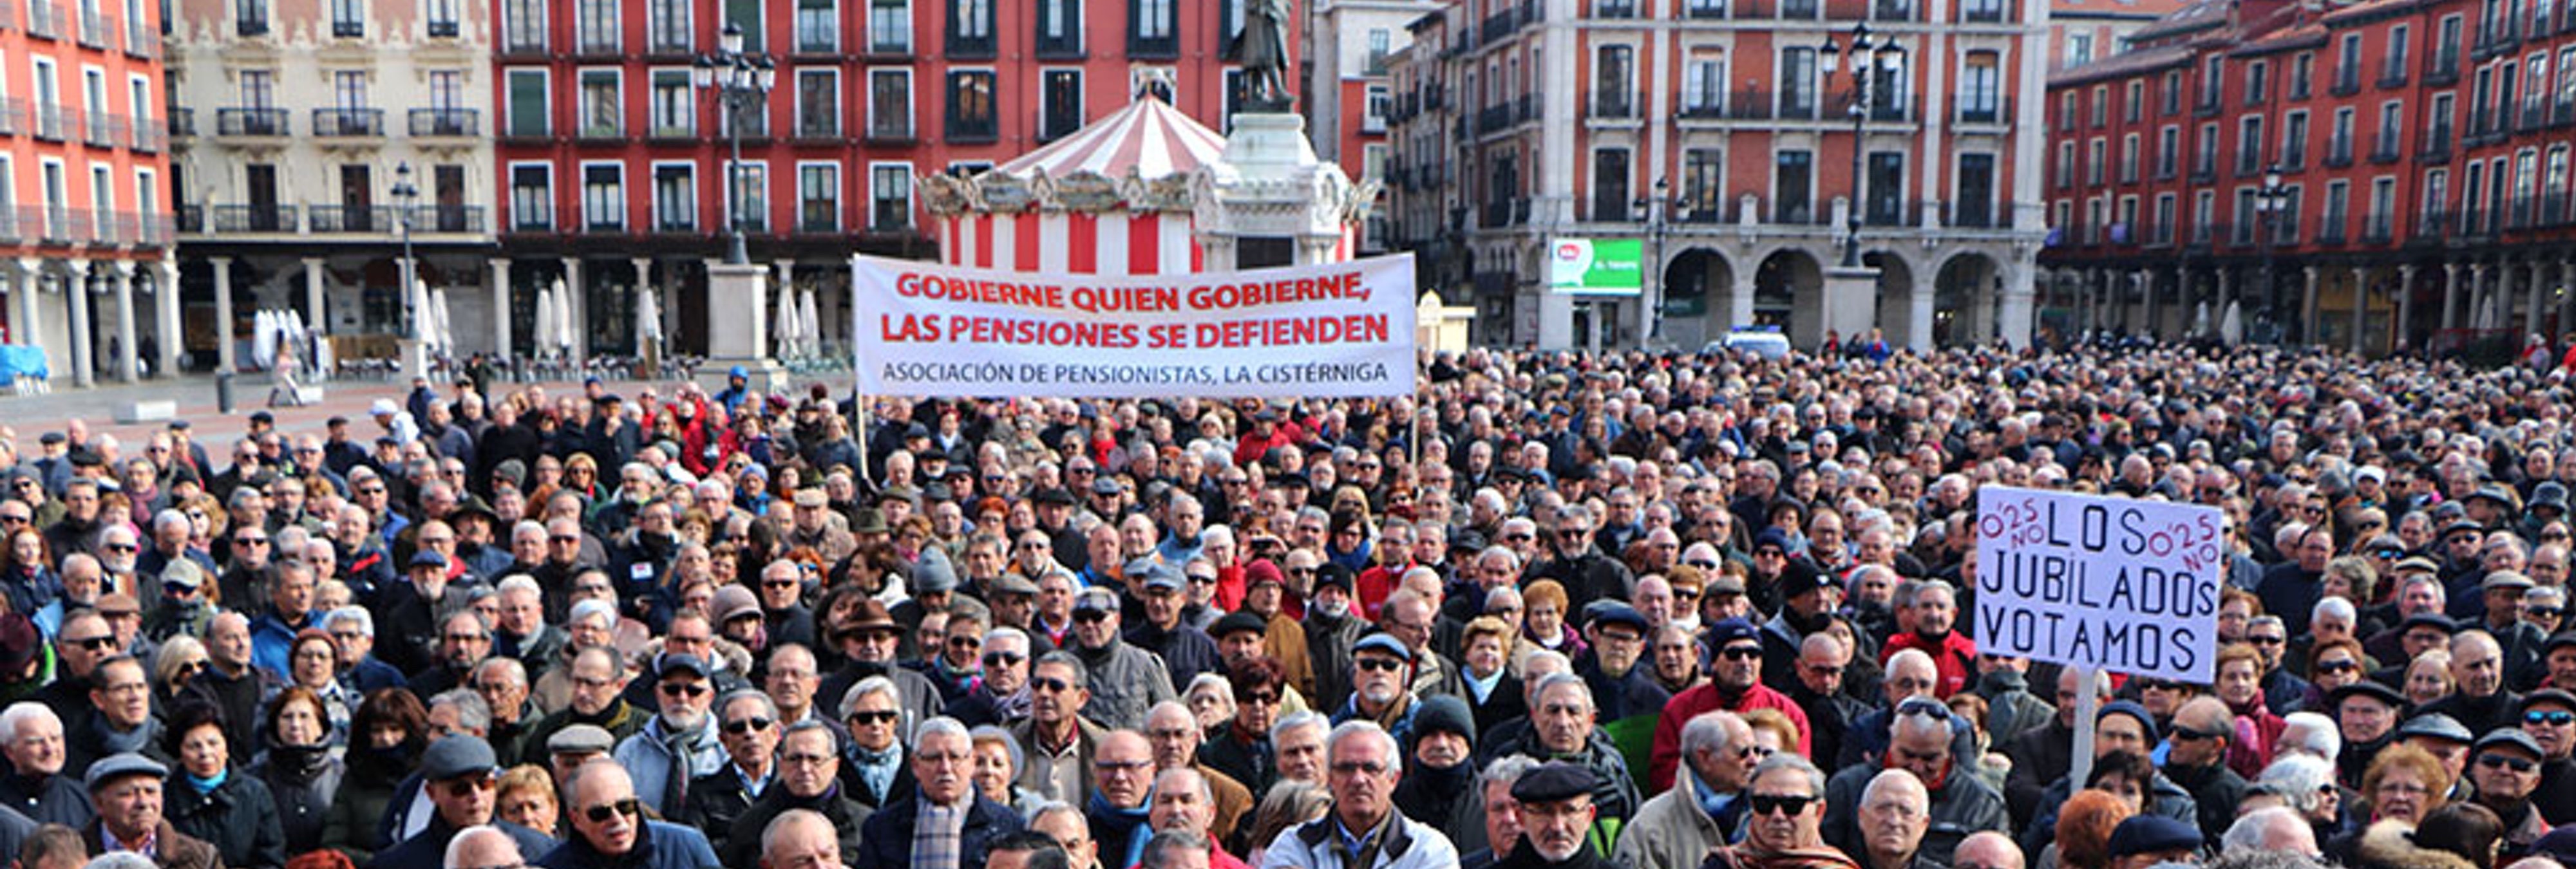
[
  {"x": 52, "y": 118},
  {"x": 255, "y": 218},
  {"x": 348, "y": 122},
  {"x": 251, "y": 122},
  {"x": 103, "y": 130},
  {"x": 446, "y": 122},
  {"x": 44, "y": 19},
  {"x": 148, "y": 135},
  {"x": 93, "y": 28},
  {"x": 349, "y": 218}
]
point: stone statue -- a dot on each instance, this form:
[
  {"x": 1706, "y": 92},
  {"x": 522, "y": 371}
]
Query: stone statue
[{"x": 1263, "y": 50}]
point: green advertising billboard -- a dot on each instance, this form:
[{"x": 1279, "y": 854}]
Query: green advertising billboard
[{"x": 1597, "y": 266}]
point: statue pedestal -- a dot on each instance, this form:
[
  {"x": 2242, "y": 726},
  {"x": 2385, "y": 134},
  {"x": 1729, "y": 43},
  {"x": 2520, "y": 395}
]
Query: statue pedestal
[
  {"x": 1269, "y": 202},
  {"x": 738, "y": 328},
  {"x": 1851, "y": 300}
]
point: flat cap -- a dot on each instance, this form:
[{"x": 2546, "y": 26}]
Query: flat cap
[
  {"x": 1054, "y": 495},
  {"x": 121, "y": 765},
  {"x": 1554, "y": 781},
  {"x": 1386, "y": 643},
  {"x": 2510, "y": 737},
  {"x": 735, "y": 601},
  {"x": 2414, "y": 563},
  {"x": 2548, "y": 695},
  {"x": 673, "y": 665},
  {"x": 1095, "y": 599},
  {"x": 457, "y": 755},
  {"x": 428, "y": 558},
  {"x": 2435, "y": 725},
  {"x": 1155, "y": 574},
  {"x": 1730, "y": 630},
  {"x": 1329, "y": 573},
  {"x": 1611, "y": 612},
  {"x": 2152, "y": 834},
  {"x": 2371, "y": 688},
  {"x": 580, "y": 738},
  {"x": 1012, "y": 583},
  {"x": 1237, "y": 622},
  {"x": 2505, "y": 579}
]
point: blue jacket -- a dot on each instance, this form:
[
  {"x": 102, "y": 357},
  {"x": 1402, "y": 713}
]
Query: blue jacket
[
  {"x": 885, "y": 840},
  {"x": 658, "y": 846},
  {"x": 428, "y": 850}
]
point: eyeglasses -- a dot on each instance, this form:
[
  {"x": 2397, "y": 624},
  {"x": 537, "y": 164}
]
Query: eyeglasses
[
  {"x": 2558, "y": 718},
  {"x": 2266, "y": 639},
  {"x": 1764, "y": 804},
  {"x": 1264, "y": 698},
  {"x": 1050, "y": 685},
  {"x": 1740, "y": 653},
  {"x": 100, "y": 643},
  {"x": 600, "y": 814},
  {"x": 2492, "y": 760},
  {"x": 965, "y": 642},
  {"x": 1355, "y": 767},
  {"x": 2195, "y": 734},
  {"x": 683, "y": 689},
  {"x": 2338, "y": 666},
  {"x": 1003, "y": 659},
  {"x": 742, "y": 726},
  {"x": 463, "y": 787},
  {"x": 2542, "y": 612},
  {"x": 1383, "y": 665},
  {"x": 874, "y": 717},
  {"x": 1201, "y": 579},
  {"x": 1090, "y": 615}
]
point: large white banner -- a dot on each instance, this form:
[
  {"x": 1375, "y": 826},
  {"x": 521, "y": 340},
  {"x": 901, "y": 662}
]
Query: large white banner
[
  {"x": 2124, "y": 585},
  {"x": 926, "y": 329}
]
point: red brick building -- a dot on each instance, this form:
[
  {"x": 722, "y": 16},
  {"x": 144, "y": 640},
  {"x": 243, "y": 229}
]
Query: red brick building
[
  {"x": 2421, "y": 153},
  {"x": 606, "y": 149}
]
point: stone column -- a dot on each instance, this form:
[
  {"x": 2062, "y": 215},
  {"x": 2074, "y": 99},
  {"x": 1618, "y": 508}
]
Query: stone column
[
  {"x": 2405, "y": 309},
  {"x": 2450, "y": 295},
  {"x": 2360, "y": 305},
  {"x": 1739, "y": 304},
  {"x": 580, "y": 307},
  {"x": 2308, "y": 308},
  {"x": 1918, "y": 316},
  {"x": 2015, "y": 321},
  {"x": 76, "y": 294},
  {"x": 2226, "y": 289},
  {"x": 500, "y": 286},
  {"x": 313, "y": 314},
  {"x": 2477, "y": 295},
  {"x": 786, "y": 288},
  {"x": 30, "y": 288},
  {"x": 165, "y": 281},
  {"x": 2503, "y": 297},
  {"x": 122, "y": 272},
  {"x": 2533, "y": 290},
  {"x": 2147, "y": 303}
]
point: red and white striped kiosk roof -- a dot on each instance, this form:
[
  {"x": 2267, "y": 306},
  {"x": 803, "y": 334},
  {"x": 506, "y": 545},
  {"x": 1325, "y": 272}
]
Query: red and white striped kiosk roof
[{"x": 1148, "y": 139}]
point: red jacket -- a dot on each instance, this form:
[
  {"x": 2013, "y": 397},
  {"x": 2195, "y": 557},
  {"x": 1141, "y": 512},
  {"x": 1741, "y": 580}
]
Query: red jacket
[
  {"x": 1954, "y": 656},
  {"x": 1704, "y": 698}
]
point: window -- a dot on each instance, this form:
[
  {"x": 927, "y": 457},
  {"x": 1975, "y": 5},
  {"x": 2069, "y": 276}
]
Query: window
[
  {"x": 675, "y": 197},
  {"x": 1381, "y": 102},
  {"x": 751, "y": 195},
  {"x": 1798, "y": 83},
  {"x": 674, "y": 105},
  {"x": 1793, "y": 172},
  {"x": 2204, "y": 216},
  {"x": 2446, "y": 49},
  {"x": 2294, "y": 140},
  {"x": 890, "y": 197},
  {"x": 2437, "y": 128},
  {"x": 602, "y": 113},
  {"x": 2213, "y": 82},
  {"x": 1150, "y": 28},
  {"x": 532, "y": 197},
  {"x": 1981, "y": 89},
  {"x": 2096, "y": 161},
  {"x": 2285, "y": 223},
  {"x": 818, "y": 197},
  {"x": 2168, "y": 151},
  {"x": 2258, "y": 82},
  {"x": 2204, "y": 161},
  {"x": 2338, "y": 211},
  {"x": 524, "y": 26},
  {"x": 603, "y": 196},
  {"x": 348, "y": 91},
  {"x": 2065, "y": 172},
  {"x": 250, "y": 17},
  {"x": 2249, "y": 144},
  {"x": 818, "y": 26},
  {"x": 2383, "y": 209},
  {"x": 1976, "y": 201},
  {"x": 2129, "y": 159},
  {"x": 528, "y": 110},
  {"x": 1704, "y": 83},
  {"x": 348, "y": 18},
  {"x": 2393, "y": 66},
  {"x": 1378, "y": 48},
  {"x": 1060, "y": 28},
  {"x": 2171, "y": 94},
  {"x": 2348, "y": 64},
  {"x": 2133, "y": 101},
  {"x": 1703, "y": 182},
  {"x": 2079, "y": 48},
  {"x": 2302, "y": 75},
  {"x": 1886, "y": 188},
  {"x": 890, "y": 104},
  {"x": 970, "y": 106},
  {"x": 818, "y": 103},
  {"x": 596, "y": 21},
  {"x": 2391, "y": 126},
  {"x": 753, "y": 19},
  {"x": 2566, "y": 100},
  {"x": 2339, "y": 140},
  {"x": 1612, "y": 81},
  {"x": 889, "y": 26},
  {"x": 970, "y": 28},
  {"x": 666, "y": 26},
  {"x": 1610, "y": 184},
  {"x": 1060, "y": 103}
]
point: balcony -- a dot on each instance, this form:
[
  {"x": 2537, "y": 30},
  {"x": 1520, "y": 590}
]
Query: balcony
[
  {"x": 2208, "y": 106},
  {"x": 147, "y": 135},
  {"x": 2331, "y": 234},
  {"x": 348, "y": 28},
  {"x": 13, "y": 116},
  {"x": 1164, "y": 47},
  {"x": 970, "y": 47},
  {"x": 250, "y": 122},
  {"x": 45, "y": 20},
  {"x": 2386, "y": 151},
  {"x": 818, "y": 129},
  {"x": 2347, "y": 81},
  {"x": 1987, "y": 112},
  {"x": 441, "y": 28},
  {"x": 192, "y": 218},
  {"x": 524, "y": 43},
  {"x": 2392, "y": 75},
  {"x": 594, "y": 44},
  {"x": 1613, "y": 107},
  {"x": 350, "y": 218},
  {"x": 664, "y": 37},
  {"x": 1614, "y": 9},
  {"x": 1705, "y": 10},
  {"x": 539, "y": 218},
  {"x": 438, "y": 218},
  {"x": 104, "y": 130},
  {"x": 817, "y": 37},
  {"x": 2376, "y": 228},
  {"x": 183, "y": 122},
  {"x": 2338, "y": 154},
  {"x": 463, "y": 123},
  {"x": 1891, "y": 10},
  {"x": 94, "y": 31},
  {"x": 605, "y": 225},
  {"x": 684, "y": 130},
  {"x": 2443, "y": 68},
  {"x": 2535, "y": 115},
  {"x": 1708, "y": 111},
  {"x": 2436, "y": 147},
  {"x": 141, "y": 40},
  {"x": 349, "y": 123},
  {"x": 52, "y": 120},
  {"x": 890, "y": 44},
  {"x": 255, "y": 218},
  {"x": 1986, "y": 12},
  {"x": 820, "y": 217},
  {"x": 890, "y": 133}
]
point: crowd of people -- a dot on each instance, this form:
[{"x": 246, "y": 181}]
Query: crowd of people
[{"x": 1650, "y": 611}]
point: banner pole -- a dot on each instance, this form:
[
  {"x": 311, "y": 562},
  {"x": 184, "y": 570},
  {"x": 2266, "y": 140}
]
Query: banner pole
[{"x": 859, "y": 401}]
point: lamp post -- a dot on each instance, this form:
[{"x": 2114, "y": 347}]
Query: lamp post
[
  {"x": 1656, "y": 211},
  {"x": 1866, "y": 57},
  {"x": 415, "y": 357},
  {"x": 739, "y": 81},
  {"x": 2270, "y": 201}
]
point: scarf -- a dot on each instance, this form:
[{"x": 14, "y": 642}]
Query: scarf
[
  {"x": 1125, "y": 826},
  {"x": 111, "y": 741},
  {"x": 1014, "y": 707},
  {"x": 962, "y": 680},
  {"x": 208, "y": 784},
  {"x": 1710, "y": 800}
]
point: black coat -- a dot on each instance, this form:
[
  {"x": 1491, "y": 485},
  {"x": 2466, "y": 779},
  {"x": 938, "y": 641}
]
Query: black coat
[
  {"x": 713, "y": 802},
  {"x": 50, "y": 799},
  {"x": 743, "y": 838},
  {"x": 303, "y": 781},
  {"x": 886, "y": 838},
  {"x": 238, "y": 817}
]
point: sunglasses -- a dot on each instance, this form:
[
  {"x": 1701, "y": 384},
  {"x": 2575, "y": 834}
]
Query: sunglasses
[
  {"x": 100, "y": 643},
  {"x": 600, "y": 814},
  {"x": 1383, "y": 665},
  {"x": 2558, "y": 719},
  {"x": 885, "y": 717},
  {"x": 2337, "y": 666},
  {"x": 1764, "y": 804},
  {"x": 1050, "y": 685},
  {"x": 2498, "y": 761},
  {"x": 1739, "y": 653},
  {"x": 742, "y": 726},
  {"x": 2542, "y": 612},
  {"x": 1091, "y": 615},
  {"x": 683, "y": 689},
  {"x": 2264, "y": 640}
]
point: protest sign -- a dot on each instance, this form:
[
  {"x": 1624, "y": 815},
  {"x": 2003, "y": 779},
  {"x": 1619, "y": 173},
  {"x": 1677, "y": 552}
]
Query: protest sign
[
  {"x": 2125, "y": 585},
  {"x": 1341, "y": 329}
]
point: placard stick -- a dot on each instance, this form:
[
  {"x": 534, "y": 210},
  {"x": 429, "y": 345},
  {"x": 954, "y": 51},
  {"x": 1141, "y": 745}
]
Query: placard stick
[{"x": 2088, "y": 705}]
